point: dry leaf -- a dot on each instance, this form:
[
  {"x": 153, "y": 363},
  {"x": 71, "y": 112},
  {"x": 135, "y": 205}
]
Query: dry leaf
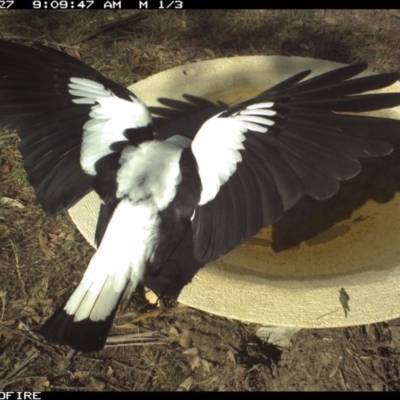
[
  {"x": 6, "y": 201},
  {"x": 199, "y": 362},
  {"x": 231, "y": 356},
  {"x": 8, "y": 322},
  {"x": 24, "y": 303},
  {"x": 74, "y": 52},
  {"x": 150, "y": 314},
  {"x": 36, "y": 318},
  {"x": 186, "y": 384},
  {"x": 43, "y": 239},
  {"x": 186, "y": 339},
  {"x": 68, "y": 237},
  {"x": 173, "y": 331},
  {"x": 34, "y": 301},
  {"x": 18, "y": 303},
  {"x": 4, "y": 170},
  {"x": 109, "y": 372},
  {"x": 194, "y": 351},
  {"x": 126, "y": 326},
  {"x": 195, "y": 363},
  {"x": 210, "y": 53},
  {"x": 81, "y": 374},
  {"x": 4, "y": 231},
  {"x": 206, "y": 365},
  {"x": 52, "y": 236},
  {"x": 96, "y": 384},
  {"x": 134, "y": 60},
  {"x": 331, "y": 20},
  {"x": 7, "y": 334},
  {"x": 41, "y": 384},
  {"x": 4, "y": 228},
  {"x": 151, "y": 297}
]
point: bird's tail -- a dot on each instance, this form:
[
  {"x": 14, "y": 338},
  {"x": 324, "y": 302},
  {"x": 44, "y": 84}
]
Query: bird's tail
[
  {"x": 85, "y": 335},
  {"x": 85, "y": 319},
  {"x": 83, "y": 323}
]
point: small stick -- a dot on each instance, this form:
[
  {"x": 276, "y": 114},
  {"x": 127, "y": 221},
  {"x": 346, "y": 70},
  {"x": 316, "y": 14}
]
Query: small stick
[
  {"x": 107, "y": 27},
  {"x": 19, "y": 369},
  {"x": 146, "y": 381},
  {"x": 8, "y": 136},
  {"x": 17, "y": 267}
]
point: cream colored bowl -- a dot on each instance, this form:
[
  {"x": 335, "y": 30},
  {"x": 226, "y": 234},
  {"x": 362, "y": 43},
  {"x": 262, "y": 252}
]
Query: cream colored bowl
[{"x": 291, "y": 274}]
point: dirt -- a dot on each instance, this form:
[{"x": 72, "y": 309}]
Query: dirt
[{"x": 42, "y": 258}]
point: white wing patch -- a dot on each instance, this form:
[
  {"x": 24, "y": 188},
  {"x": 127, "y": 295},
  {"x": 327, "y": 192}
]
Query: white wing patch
[
  {"x": 110, "y": 117},
  {"x": 217, "y": 145},
  {"x": 253, "y": 117},
  {"x": 150, "y": 171},
  {"x": 127, "y": 245}
]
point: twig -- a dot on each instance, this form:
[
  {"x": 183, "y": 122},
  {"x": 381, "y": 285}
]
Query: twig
[
  {"x": 43, "y": 41},
  {"x": 9, "y": 136},
  {"x": 65, "y": 362},
  {"x": 70, "y": 355},
  {"x": 392, "y": 14},
  {"x": 22, "y": 378},
  {"x": 366, "y": 44},
  {"x": 139, "y": 16},
  {"x": 34, "y": 337},
  {"x": 227, "y": 345},
  {"x": 28, "y": 329},
  {"x": 122, "y": 364},
  {"x": 335, "y": 367},
  {"x": 3, "y": 294},
  {"x": 137, "y": 339},
  {"x": 19, "y": 369},
  {"x": 75, "y": 388},
  {"x": 156, "y": 358},
  {"x": 375, "y": 374},
  {"x": 17, "y": 267},
  {"x": 136, "y": 344},
  {"x": 361, "y": 374},
  {"x": 342, "y": 380}
]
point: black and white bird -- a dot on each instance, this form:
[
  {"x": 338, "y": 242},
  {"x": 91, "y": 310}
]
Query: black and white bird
[{"x": 238, "y": 173}]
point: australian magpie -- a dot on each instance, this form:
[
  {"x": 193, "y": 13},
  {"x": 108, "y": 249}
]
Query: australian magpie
[{"x": 239, "y": 171}]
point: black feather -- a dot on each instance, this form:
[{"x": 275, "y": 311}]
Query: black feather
[
  {"x": 308, "y": 150},
  {"x": 85, "y": 335}
]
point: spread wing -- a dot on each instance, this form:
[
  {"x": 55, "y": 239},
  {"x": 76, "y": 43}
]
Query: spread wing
[
  {"x": 73, "y": 122},
  {"x": 258, "y": 158}
]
